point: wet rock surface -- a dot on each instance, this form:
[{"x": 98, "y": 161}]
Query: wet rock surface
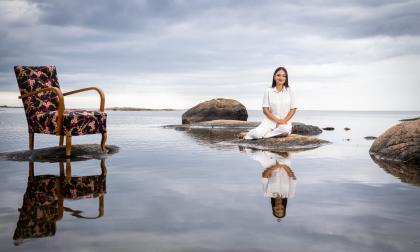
[
  {"x": 297, "y": 128},
  {"x": 292, "y": 142},
  {"x": 216, "y": 109},
  {"x": 58, "y": 153},
  {"x": 400, "y": 143}
]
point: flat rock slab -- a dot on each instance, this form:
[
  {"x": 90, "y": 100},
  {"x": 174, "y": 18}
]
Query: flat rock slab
[
  {"x": 58, "y": 153},
  {"x": 292, "y": 142},
  {"x": 297, "y": 128},
  {"x": 400, "y": 143}
]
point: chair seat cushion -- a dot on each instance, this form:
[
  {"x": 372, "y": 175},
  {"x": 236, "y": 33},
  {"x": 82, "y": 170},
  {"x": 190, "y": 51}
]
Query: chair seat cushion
[{"x": 75, "y": 121}]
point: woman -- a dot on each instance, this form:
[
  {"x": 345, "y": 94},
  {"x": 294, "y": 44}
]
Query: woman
[{"x": 278, "y": 106}]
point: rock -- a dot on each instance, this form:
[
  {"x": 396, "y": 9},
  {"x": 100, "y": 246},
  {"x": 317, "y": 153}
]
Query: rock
[
  {"x": 346, "y": 129},
  {"x": 328, "y": 128},
  {"x": 406, "y": 172},
  {"x": 305, "y": 129},
  {"x": 58, "y": 153},
  {"x": 215, "y": 109},
  {"x": 401, "y": 143},
  {"x": 297, "y": 128},
  {"x": 292, "y": 142},
  {"x": 410, "y": 119},
  {"x": 370, "y": 137}
]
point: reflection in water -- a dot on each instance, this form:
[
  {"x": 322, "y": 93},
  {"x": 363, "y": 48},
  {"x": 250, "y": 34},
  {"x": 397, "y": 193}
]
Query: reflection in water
[
  {"x": 406, "y": 172},
  {"x": 278, "y": 179},
  {"x": 43, "y": 201},
  {"x": 209, "y": 137}
]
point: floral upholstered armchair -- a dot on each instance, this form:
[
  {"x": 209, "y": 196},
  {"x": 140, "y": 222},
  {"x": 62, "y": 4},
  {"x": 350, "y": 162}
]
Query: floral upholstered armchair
[{"x": 45, "y": 111}]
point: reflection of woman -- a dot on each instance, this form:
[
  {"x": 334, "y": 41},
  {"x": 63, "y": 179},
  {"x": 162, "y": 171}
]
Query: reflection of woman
[
  {"x": 279, "y": 183},
  {"x": 278, "y": 179},
  {"x": 278, "y": 107}
]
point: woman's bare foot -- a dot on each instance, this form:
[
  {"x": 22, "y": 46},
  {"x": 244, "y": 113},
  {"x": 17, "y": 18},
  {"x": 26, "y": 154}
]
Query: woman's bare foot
[{"x": 242, "y": 135}]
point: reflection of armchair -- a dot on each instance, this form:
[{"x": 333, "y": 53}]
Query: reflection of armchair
[
  {"x": 43, "y": 201},
  {"x": 45, "y": 110}
]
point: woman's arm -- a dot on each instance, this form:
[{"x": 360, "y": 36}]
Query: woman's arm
[
  {"x": 289, "y": 115},
  {"x": 279, "y": 121}
]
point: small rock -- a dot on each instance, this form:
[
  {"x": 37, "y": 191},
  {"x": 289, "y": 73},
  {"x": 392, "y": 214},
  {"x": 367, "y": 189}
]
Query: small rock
[
  {"x": 410, "y": 119},
  {"x": 370, "y": 137},
  {"x": 328, "y": 128},
  {"x": 346, "y": 129},
  {"x": 215, "y": 109}
]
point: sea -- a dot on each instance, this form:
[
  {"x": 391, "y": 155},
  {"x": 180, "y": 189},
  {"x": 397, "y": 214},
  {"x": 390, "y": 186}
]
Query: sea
[{"x": 181, "y": 190}]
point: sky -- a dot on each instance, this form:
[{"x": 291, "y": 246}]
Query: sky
[{"x": 340, "y": 55}]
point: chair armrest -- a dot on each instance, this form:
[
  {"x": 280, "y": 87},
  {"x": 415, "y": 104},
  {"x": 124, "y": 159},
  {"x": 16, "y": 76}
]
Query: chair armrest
[
  {"x": 100, "y": 92},
  {"x": 60, "y": 104}
]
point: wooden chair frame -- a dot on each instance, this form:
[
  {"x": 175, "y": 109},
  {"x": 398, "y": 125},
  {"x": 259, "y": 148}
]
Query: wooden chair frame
[{"x": 60, "y": 118}]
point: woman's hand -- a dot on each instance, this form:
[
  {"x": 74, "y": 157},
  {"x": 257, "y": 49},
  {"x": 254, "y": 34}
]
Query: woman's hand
[{"x": 280, "y": 122}]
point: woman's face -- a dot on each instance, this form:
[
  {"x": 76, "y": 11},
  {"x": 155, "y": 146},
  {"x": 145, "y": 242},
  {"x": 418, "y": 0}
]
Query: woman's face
[{"x": 280, "y": 77}]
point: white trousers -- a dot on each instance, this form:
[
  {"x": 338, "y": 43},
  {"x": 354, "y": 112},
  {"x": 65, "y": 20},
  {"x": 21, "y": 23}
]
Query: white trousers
[{"x": 265, "y": 130}]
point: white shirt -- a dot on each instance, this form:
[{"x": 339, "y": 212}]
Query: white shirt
[
  {"x": 279, "y": 103},
  {"x": 279, "y": 184},
  {"x": 267, "y": 158}
]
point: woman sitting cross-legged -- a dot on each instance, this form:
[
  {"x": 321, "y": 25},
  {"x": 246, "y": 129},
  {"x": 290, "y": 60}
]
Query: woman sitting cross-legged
[{"x": 278, "y": 106}]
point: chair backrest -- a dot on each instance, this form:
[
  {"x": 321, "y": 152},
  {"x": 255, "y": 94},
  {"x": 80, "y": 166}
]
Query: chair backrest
[{"x": 34, "y": 78}]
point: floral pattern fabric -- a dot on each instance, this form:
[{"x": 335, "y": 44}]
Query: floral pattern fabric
[
  {"x": 75, "y": 122},
  {"x": 41, "y": 109},
  {"x": 42, "y": 200},
  {"x": 32, "y": 78},
  {"x": 84, "y": 187}
]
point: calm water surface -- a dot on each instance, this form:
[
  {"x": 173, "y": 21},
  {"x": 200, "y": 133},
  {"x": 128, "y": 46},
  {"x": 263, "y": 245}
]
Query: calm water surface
[{"x": 169, "y": 190}]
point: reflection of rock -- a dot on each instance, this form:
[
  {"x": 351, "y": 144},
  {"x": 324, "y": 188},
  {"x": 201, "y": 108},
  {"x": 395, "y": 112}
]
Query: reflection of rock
[
  {"x": 399, "y": 143},
  {"x": 406, "y": 172},
  {"x": 58, "y": 153},
  {"x": 297, "y": 128},
  {"x": 216, "y": 109},
  {"x": 290, "y": 143},
  {"x": 211, "y": 136}
]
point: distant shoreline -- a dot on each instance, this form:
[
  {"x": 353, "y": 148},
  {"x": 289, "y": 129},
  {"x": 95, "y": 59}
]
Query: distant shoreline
[
  {"x": 137, "y": 109},
  {"x": 112, "y": 108},
  {"x": 169, "y": 109}
]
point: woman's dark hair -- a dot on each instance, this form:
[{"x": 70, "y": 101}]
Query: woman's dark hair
[
  {"x": 283, "y": 202},
  {"x": 286, "y": 83}
]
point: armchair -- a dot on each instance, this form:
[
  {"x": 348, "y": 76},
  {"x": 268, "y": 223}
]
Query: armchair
[{"x": 45, "y": 110}]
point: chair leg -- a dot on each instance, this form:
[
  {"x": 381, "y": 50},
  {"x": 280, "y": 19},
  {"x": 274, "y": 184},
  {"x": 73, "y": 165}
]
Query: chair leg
[
  {"x": 31, "y": 169},
  {"x": 68, "y": 145},
  {"x": 31, "y": 141},
  {"x": 103, "y": 167},
  {"x": 61, "y": 141},
  {"x": 103, "y": 141}
]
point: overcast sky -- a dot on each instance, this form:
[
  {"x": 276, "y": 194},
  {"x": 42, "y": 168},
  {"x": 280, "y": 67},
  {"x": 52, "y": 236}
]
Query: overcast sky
[{"x": 341, "y": 55}]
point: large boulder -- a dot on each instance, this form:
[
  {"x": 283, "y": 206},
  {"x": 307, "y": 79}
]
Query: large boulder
[
  {"x": 400, "y": 143},
  {"x": 215, "y": 109}
]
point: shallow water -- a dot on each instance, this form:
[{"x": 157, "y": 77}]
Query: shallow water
[{"x": 169, "y": 190}]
